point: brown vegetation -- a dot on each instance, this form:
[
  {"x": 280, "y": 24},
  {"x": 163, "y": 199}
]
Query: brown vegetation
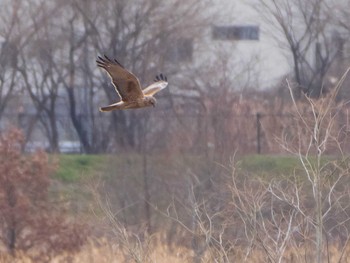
[
  {"x": 102, "y": 251},
  {"x": 188, "y": 210},
  {"x": 50, "y": 85},
  {"x": 176, "y": 197},
  {"x": 31, "y": 224}
]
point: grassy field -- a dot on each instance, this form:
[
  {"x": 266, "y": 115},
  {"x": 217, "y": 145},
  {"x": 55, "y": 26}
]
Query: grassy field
[
  {"x": 74, "y": 168},
  {"x": 122, "y": 176},
  {"x": 120, "y": 182},
  {"x": 76, "y": 173}
]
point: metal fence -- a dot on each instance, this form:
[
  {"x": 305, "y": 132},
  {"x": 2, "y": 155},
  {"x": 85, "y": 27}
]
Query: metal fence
[{"x": 166, "y": 131}]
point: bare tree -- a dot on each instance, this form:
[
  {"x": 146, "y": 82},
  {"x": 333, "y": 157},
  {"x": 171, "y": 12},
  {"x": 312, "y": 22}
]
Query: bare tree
[
  {"x": 37, "y": 47},
  {"x": 42, "y": 86},
  {"x": 297, "y": 216},
  {"x": 138, "y": 35},
  {"x": 320, "y": 130},
  {"x": 305, "y": 30},
  {"x": 8, "y": 54},
  {"x": 61, "y": 42}
]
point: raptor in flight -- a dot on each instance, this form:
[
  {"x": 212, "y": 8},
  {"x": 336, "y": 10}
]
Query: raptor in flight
[{"x": 128, "y": 86}]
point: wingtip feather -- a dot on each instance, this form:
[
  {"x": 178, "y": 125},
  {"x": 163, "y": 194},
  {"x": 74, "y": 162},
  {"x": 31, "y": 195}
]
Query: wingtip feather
[
  {"x": 161, "y": 77},
  {"x": 105, "y": 59}
]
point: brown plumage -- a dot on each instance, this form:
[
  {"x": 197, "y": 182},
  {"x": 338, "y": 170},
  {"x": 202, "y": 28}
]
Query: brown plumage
[{"x": 128, "y": 86}]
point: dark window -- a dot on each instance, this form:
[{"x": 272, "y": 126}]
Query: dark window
[
  {"x": 181, "y": 50},
  {"x": 236, "y": 32},
  {"x": 8, "y": 54}
]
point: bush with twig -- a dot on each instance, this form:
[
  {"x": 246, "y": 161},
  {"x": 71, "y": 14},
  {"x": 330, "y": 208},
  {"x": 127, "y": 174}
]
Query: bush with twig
[{"x": 30, "y": 222}]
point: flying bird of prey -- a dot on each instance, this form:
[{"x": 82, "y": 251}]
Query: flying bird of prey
[{"x": 128, "y": 86}]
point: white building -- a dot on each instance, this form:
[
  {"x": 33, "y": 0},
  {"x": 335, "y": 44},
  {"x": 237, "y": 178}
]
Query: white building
[
  {"x": 271, "y": 60},
  {"x": 248, "y": 40},
  {"x": 244, "y": 36}
]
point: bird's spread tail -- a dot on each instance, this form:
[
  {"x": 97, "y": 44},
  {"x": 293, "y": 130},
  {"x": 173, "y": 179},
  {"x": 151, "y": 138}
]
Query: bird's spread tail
[
  {"x": 106, "y": 109},
  {"x": 115, "y": 106}
]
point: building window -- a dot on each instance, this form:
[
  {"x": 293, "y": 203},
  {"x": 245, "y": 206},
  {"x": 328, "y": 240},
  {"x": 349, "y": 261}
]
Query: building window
[
  {"x": 8, "y": 54},
  {"x": 181, "y": 50},
  {"x": 247, "y": 32}
]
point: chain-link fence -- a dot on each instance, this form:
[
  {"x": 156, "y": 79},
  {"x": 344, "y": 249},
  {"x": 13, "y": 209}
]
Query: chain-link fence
[{"x": 166, "y": 131}]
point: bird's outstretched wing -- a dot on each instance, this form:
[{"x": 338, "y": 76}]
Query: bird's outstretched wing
[
  {"x": 126, "y": 84},
  {"x": 160, "y": 82}
]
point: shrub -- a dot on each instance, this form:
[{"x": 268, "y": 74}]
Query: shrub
[{"x": 30, "y": 223}]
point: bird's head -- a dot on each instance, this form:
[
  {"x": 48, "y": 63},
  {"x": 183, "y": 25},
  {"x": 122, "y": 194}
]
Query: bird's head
[{"x": 151, "y": 101}]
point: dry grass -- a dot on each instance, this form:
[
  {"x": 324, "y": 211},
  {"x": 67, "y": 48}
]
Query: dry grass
[{"x": 103, "y": 251}]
